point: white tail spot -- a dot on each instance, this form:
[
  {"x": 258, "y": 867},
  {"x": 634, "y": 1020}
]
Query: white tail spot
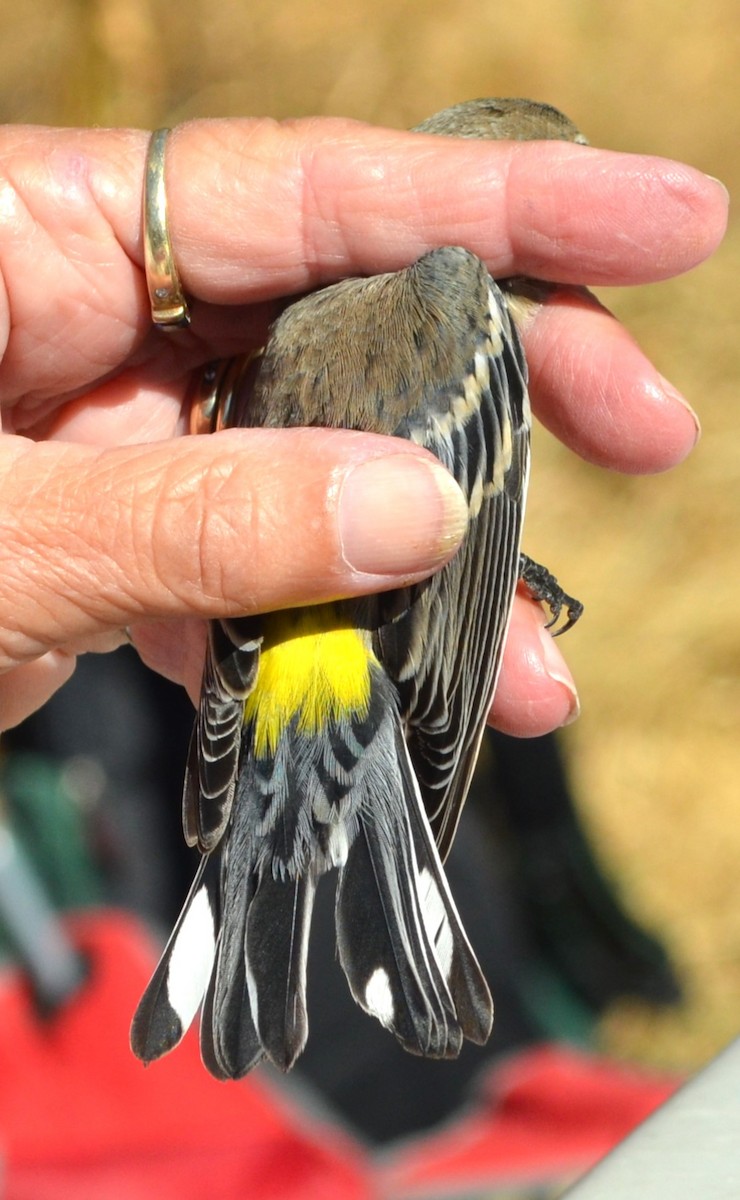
[
  {"x": 191, "y": 959},
  {"x": 379, "y": 998},
  {"x": 436, "y": 921}
]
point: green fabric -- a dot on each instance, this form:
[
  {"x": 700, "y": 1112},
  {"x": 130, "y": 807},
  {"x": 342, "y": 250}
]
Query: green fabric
[{"x": 48, "y": 820}]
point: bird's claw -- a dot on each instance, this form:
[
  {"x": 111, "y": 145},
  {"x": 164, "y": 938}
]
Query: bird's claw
[{"x": 543, "y": 586}]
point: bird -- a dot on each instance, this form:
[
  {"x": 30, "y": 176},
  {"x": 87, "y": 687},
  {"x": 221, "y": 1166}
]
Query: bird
[{"x": 342, "y": 737}]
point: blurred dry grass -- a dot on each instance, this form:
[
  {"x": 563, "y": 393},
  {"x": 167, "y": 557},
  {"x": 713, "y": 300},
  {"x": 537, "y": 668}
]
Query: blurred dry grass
[{"x": 656, "y": 755}]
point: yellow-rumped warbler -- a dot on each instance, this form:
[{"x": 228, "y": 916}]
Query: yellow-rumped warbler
[{"x": 344, "y": 735}]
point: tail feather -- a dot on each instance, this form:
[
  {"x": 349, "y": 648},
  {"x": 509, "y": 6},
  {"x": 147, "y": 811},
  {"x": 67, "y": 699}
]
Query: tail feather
[
  {"x": 230, "y": 1045},
  {"x": 176, "y": 989},
  {"x": 277, "y": 949},
  {"x": 385, "y": 954},
  {"x": 229, "y": 1042},
  {"x": 468, "y": 988},
  {"x": 256, "y": 1002},
  {"x": 255, "y": 1005},
  {"x": 400, "y": 940}
]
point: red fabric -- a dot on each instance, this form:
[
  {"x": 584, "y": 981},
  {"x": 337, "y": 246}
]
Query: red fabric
[
  {"x": 547, "y": 1114},
  {"x": 81, "y": 1118}
]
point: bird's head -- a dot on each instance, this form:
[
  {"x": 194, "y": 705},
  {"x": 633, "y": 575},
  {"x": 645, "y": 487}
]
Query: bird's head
[{"x": 503, "y": 119}]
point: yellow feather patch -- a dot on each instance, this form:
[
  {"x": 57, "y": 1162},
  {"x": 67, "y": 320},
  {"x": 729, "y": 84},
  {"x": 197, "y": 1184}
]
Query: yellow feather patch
[{"x": 313, "y": 666}]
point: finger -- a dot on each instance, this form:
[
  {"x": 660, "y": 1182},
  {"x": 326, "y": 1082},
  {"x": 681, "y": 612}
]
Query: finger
[
  {"x": 593, "y": 387},
  {"x": 535, "y": 692},
  {"x": 127, "y": 410},
  {"x": 347, "y": 197},
  {"x": 175, "y": 649},
  {"x": 247, "y": 520},
  {"x": 26, "y": 688},
  {"x": 259, "y": 210}
]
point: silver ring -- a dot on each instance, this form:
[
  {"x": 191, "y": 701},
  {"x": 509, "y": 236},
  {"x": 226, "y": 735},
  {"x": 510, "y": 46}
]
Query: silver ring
[{"x": 166, "y": 297}]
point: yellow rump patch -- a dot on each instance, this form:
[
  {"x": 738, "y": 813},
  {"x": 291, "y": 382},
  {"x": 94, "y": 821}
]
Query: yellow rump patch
[{"x": 312, "y": 667}]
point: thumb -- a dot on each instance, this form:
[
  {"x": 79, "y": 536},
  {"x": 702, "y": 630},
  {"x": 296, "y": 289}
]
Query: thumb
[{"x": 246, "y": 520}]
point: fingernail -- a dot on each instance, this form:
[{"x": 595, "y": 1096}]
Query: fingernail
[
  {"x": 724, "y": 186},
  {"x": 400, "y": 515},
  {"x": 673, "y": 394},
  {"x": 556, "y": 669}
]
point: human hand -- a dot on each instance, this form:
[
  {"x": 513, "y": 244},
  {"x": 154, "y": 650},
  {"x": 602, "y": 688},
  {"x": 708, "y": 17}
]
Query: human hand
[{"x": 110, "y": 520}]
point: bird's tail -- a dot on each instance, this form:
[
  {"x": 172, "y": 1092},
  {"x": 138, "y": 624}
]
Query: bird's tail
[{"x": 242, "y": 938}]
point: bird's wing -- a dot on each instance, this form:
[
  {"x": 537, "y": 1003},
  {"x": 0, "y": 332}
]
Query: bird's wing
[
  {"x": 232, "y": 659},
  {"x": 444, "y": 650}
]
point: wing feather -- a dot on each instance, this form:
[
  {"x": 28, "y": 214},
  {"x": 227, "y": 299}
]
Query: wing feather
[
  {"x": 230, "y": 673},
  {"x": 444, "y": 652}
]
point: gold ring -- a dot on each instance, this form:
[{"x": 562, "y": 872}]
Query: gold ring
[{"x": 166, "y": 297}]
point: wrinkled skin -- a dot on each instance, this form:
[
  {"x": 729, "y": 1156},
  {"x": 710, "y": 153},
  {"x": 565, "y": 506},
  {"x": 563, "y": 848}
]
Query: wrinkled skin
[{"x": 111, "y": 519}]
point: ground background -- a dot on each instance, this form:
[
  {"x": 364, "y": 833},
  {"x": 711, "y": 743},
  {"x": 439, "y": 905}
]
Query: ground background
[{"x": 656, "y": 754}]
